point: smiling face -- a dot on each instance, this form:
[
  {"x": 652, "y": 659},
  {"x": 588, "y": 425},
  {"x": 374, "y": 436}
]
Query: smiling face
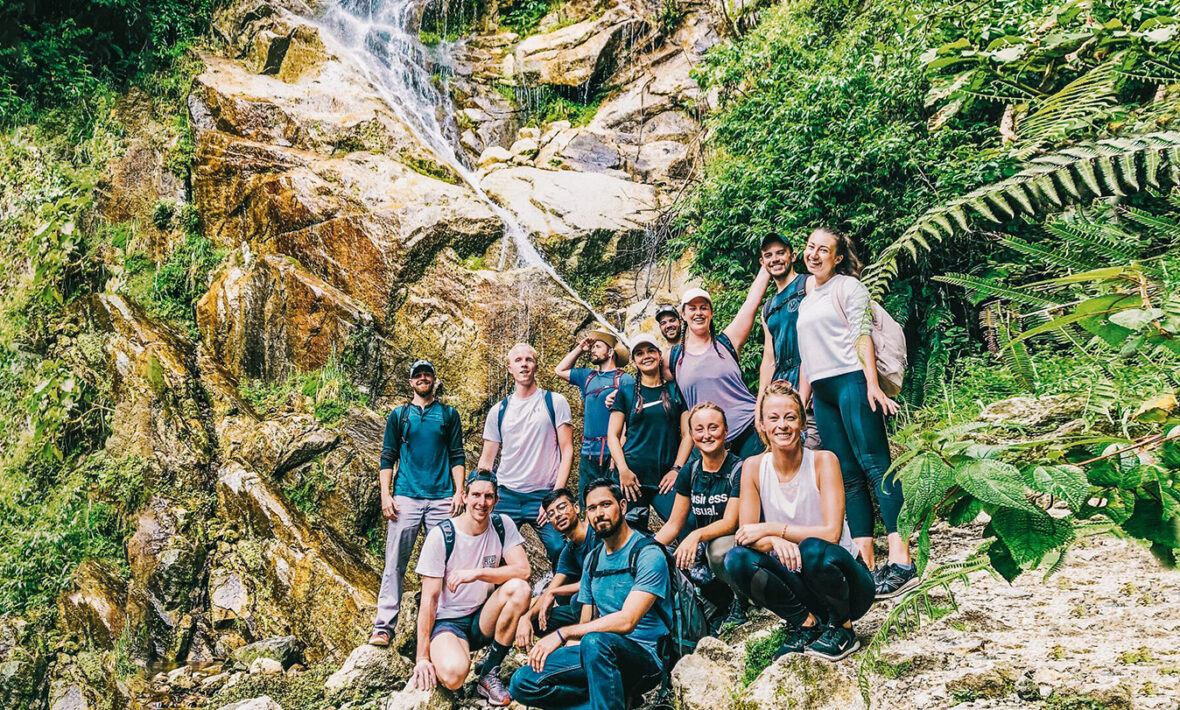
[
  {"x": 777, "y": 258},
  {"x": 600, "y": 352},
  {"x": 821, "y": 256},
  {"x": 604, "y": 511},
  {"x": 562, "y": 514},
  {"x": 698, "y": 313},
  {"x": 522, "y": 364},
  {"x": 670, "y": 326},
  {"x": 647, "y": 359},
  {"x": 782, "y": 421},
  {"x": 480, "y": 499},
  {"x": 708, "y": 430},
  {"x": 422, "y": 382}
]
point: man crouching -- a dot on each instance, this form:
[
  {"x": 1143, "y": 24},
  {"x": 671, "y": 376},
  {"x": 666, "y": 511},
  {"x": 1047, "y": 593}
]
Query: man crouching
[{"x": 474, "y": 590}]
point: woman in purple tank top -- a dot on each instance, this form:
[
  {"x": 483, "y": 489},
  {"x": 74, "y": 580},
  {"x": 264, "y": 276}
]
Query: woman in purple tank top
[{"x": 706, "y": 368}]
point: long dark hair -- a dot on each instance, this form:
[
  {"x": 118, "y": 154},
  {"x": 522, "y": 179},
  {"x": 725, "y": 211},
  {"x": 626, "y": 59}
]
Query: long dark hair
[
  {"x": 665, "y": 396},
  {"x": 850, "y": 265}
]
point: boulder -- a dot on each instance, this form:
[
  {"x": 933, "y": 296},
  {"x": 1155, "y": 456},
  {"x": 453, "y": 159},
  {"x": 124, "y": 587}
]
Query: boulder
[
  {"x": 283, "y": 649},
  {"x": 493, "y": 155},
  {"x": 1032, "y": 412},
  {"x": 525, "y": 147},
  {"x": 85, "y": 682},
  {"x": 799, "y": 681},
  {"x": 367, "y": 669},
  {"x": 582, "y": 55},
  {"x": 269, "y": 317},
  {"x": 263, "y": 703},
  {"x": 303, "y": 580},
  {"x": 94, "y": 607},
  {"x": 706, "y": 678},
  {"x": 411, "y": 698},
  {"x": 22, "y": 663},
  {"x": 164, "y": 560},
  {"x": 265, "y": 666}
]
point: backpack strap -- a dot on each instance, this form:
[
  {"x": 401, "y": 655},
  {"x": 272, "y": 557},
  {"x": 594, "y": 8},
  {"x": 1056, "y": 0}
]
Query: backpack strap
[
  {"x": 403, "y": 423},
  {"x": 448, "y": 533},
  {"x": 552, "y": 416},
  {"x": 675, "y": 357},
  {"x": 724, "y": 340},
  {"x": 500, "y": 418},
  {"x": 498, "y": 526}
]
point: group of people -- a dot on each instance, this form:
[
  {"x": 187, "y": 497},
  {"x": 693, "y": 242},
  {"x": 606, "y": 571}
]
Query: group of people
[{"x": 763, "y": 496}]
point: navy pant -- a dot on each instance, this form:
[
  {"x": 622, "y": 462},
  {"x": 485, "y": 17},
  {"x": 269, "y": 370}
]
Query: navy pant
[
  {"x": 603, "y": 672},
  {"x": 856, "y": 434},
  {"x": 833, "y": 585}
]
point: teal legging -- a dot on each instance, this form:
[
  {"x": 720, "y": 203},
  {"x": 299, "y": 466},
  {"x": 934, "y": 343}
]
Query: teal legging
[{"x": 856, "y": 434}]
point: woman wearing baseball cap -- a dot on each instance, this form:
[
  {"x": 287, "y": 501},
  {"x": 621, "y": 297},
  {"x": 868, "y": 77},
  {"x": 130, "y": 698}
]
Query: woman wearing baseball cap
[
  {"x": 652, "y": 414},
  {"x": 706, "y": 368}
]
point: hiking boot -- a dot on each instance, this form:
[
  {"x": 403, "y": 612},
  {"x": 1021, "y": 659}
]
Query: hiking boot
[
  {"x": 492, "y": 688},
  {"x": 799, "y": 639},
  {"x": 379, "y": 638},
  {"x": 835, "y": 643},
  {"x": 738, "y": 614},
  {"x": 893, "y": 579}
]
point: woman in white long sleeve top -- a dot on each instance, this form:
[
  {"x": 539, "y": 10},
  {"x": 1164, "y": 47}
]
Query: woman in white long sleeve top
[{"x": 839, "y": 370}]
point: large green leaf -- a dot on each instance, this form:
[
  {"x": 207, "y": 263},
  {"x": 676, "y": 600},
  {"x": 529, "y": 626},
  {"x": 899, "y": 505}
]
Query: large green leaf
[
  {"x": 1002, "y": 561},
  {"x": 1029, "y": 536},
  {"x": 1098, "y": 311},
  {"x": 995, "y": 483},
  {"x": 1148, "y": 523},
  {"x": 925, "y": 482},
  {"x": 1064, "y": 481}
]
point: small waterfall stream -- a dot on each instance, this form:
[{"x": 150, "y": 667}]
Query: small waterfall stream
[{"x": 374, "y": 36}]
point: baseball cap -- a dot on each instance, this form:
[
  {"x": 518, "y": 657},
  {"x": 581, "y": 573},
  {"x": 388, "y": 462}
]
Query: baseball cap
[
  {"x": 774, "y": 238},
  {"x": 694, "y": 293},
  {"x": 421, "y": 364},
  {"x": 667, "y": 309},
  {"x": 643, "y": 339}
]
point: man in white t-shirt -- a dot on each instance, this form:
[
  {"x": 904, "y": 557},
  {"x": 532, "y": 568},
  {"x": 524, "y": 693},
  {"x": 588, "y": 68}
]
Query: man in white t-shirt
[
  {"x": 532, "y": 433},
  {"x": 474, "y": 590}
]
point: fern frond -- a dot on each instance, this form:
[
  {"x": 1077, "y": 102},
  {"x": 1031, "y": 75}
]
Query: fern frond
[
  {"x": 1082, "y": 172},
  {"x": 1015, "y": 356},
  {"x": 1077, "y": 103},
  {"x": 1048, "y": 255},
  {"x": 1104, "y": 242},
  {"x": 1165, "y": 227},
  {"x": 997, "y": 289},
  {"x": 906, "y": 615}
]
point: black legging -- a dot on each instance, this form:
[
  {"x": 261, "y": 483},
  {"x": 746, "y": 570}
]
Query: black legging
[
  {"x": 832, "y": 585},
  {"x": 850, "y": 429}
]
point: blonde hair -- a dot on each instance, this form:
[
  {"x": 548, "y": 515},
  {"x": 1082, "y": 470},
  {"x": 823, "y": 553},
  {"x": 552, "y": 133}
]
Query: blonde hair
[
  {"x": 783, "y": 388},
  {"x": 710, "y": 406},
  {"x": 520, "y": 346}
]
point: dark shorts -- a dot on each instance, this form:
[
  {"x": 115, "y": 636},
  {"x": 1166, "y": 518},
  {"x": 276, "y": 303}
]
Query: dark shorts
[{"x": 465, "y": 627}]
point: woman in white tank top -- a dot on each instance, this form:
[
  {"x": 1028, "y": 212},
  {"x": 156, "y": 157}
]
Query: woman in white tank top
[{"x": 795, "y": 555}]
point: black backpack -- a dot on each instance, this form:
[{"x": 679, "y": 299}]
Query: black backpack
[
  {"x": 687, "y": 624},
  {"x": 448, "y": 532}
]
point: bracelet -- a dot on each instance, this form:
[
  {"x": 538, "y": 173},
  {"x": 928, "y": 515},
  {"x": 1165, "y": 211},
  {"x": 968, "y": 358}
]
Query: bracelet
[
  {"x": 676, "y": 468},
  {"x": 561, "y": 636},
  {"x": 783, "y": 534}
]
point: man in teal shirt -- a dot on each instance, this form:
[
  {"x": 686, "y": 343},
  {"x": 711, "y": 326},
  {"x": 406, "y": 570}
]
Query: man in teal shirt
[
  {"x": 626, "y": 598},
  {"x": 423, "y": 448},
  {"x": 597, "y": 386}
]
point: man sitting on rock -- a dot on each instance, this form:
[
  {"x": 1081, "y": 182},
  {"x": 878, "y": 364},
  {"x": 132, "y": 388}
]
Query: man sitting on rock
[
  {"x": 557, "y": 605},
  {"x": 626, "y": 596},
  {"x": 530, "y": 430},
  {"x": 597, "y": 385},
  {"x": 474, "y": 590},
  {"x": 423, "y": 451}
]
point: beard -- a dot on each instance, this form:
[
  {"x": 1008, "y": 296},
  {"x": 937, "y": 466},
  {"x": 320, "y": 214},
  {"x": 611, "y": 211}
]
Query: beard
[
  {"x": 605, "y": 527},
  {"x": 599, "y": 359}
]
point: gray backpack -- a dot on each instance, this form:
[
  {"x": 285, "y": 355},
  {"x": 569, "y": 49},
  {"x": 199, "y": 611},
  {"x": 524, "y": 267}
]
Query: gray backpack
[{"x": 888, "y": 342}]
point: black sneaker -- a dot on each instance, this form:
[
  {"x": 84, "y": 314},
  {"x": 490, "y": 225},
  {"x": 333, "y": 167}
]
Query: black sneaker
[
  {"x": 799, "y": 639},
  {"x": 893, "y": 579},
  {"x": 836, "y": 643},
  {"x": 738, "y": 614}
]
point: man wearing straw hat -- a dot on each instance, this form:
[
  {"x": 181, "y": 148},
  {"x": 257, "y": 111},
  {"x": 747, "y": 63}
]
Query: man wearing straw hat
[{"x": 596, "y": 384}]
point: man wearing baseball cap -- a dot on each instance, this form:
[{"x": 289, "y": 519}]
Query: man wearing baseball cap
[
  {"x": 596, "y": 385},
  {"x": 423, "y": 457}
]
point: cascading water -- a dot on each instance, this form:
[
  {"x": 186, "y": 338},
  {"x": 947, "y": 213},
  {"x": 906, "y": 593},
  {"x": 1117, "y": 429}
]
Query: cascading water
[{"x": 374, "y": 38}]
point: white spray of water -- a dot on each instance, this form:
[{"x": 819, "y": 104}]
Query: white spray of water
[{"x": 374, "y": 37}]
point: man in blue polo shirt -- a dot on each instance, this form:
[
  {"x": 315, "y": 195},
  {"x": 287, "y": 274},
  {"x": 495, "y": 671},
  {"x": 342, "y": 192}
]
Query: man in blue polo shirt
[
  {"x": 596, "y": 384},
  {"x": 423, "y": 453},
  {"x": 626, "y": 598}
]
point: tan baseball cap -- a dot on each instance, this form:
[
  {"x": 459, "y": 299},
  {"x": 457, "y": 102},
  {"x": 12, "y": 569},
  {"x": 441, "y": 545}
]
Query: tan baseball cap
[{"x": 643, "y": 339}]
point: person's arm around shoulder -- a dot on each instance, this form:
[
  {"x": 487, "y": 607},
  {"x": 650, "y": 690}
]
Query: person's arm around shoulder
[{"x": 739, "y": 328}]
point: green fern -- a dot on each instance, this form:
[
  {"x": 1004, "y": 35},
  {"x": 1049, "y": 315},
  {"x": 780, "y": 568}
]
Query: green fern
[
  {"x": 1078, "y": 103},
  {"x": 1105, "y": 241},
  {"x": 1049, "y": 255},
  {"x": 1076, "y": 174},
  {"x": 1015, "y": 355},
  {"x": 907, "y": 614},
  {"x": 995, "y": 289}
]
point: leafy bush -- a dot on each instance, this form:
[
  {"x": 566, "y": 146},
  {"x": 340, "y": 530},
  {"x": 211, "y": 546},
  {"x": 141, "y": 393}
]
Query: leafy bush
[
  {"x": 328, "y": 393},
  {"x": 60, "y": 54},
  {"x": 524, "y": 16}
]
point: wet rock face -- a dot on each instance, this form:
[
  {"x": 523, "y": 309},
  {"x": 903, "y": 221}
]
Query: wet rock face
[
  {"x": 85, "y": 682},
  {"x": 22, "y": 664},
  {"x": 95, "y": 607}
]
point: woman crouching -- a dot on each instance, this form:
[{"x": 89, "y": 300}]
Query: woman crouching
[{"x": 800, "y": 562}]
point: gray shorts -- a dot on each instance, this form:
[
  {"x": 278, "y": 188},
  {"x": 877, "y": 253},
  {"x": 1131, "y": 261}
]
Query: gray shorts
[{"x": 465, "y": 627}]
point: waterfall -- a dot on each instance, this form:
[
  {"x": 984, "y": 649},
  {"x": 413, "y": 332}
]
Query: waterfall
[{"x": 374, "y": 38}]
